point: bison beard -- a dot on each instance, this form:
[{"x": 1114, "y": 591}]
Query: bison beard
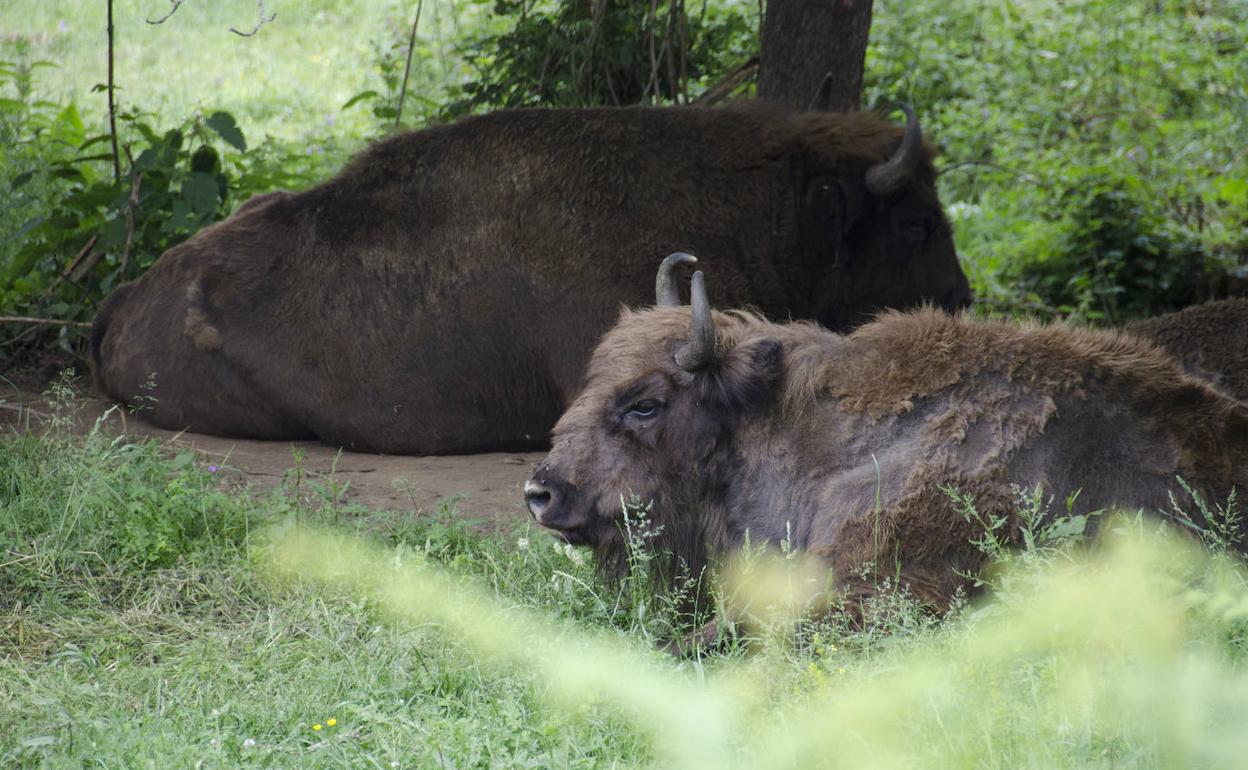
[
  {"x": 443, "y": 293},
  {"x": 842, "y": 444}
]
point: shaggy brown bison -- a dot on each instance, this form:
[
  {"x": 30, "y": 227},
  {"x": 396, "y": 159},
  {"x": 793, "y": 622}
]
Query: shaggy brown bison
[
  {"x": 444, "y": 291},
  {"x": 1210, "y": 339},
  {"x": 841, "y": 444}
]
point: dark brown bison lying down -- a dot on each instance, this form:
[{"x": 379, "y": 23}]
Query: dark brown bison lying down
[
  {"x": 841, "y": 444},
  {"x": 444, "y": 291},
  {"x": 1210, "y": 339}
]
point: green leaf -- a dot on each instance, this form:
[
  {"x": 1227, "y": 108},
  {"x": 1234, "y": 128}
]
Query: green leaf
[
  {"x": 200, "y": 190},
  {"x": 225, "y": 126},
  {"x": 361, "y": 96},
  {"x": 1065, "y": 528},
  {"x": 31, "y": 224},
  {"x": 180, "y": 217},
  {"x": 113, "y": 232},
  {"x": 21, "y": 264},
  {"x": 21, "y": 179}
]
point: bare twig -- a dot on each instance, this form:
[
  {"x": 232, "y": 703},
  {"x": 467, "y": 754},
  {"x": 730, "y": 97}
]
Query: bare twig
[
  {"x": 112, "y": 104},
  {"x": 407, "y": 68},
  {"x": 652, "y": 85},
  {"x": 668, "y": 51},
  {"x": 174, "y": 6},
  {"x": 730, "y": 82},
  {"x": 1023, "y": 175},
  {"x": 261, "y": 20},
  {"x": 136, "y": 182},
  {"x": 25, "y": 319},
  {"x": 74, "y": 264}
]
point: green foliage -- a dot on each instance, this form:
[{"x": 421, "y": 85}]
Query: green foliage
[
  {"x": 1093, "y": 149},
  {"x": 142, "y": 623},
  {"x": 85, "y": 231},
  {"x": 106, "y": 509},
  {"x": 576, "y": 53}
]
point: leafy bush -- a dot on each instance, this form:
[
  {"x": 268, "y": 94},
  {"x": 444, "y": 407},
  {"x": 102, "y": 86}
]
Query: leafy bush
[
  {"x": 576, "y": 53},
  {"x": 1093, "y": 150},
  {"x": 100, "y": 509},
  {"x": 85, "y": 231}
]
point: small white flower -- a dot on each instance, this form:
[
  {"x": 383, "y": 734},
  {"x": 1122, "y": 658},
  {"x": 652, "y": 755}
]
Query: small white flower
[
  {"x": 247, "y": 744},
  {"x": 522, "y": 543}
]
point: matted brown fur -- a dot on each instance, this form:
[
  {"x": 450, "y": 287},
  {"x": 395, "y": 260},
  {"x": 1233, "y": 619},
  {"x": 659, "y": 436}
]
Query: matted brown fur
[
  {"x": 1210, "y": 339},
  {"x": 845, "y": 445},
  {"x": 444, "y": 291}
]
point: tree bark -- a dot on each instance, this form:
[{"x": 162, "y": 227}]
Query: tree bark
[{"x": 805, "y": 40}]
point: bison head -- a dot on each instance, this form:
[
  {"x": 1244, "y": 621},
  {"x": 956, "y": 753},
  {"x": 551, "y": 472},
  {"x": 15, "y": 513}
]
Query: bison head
[
  {"x": 871, "y": 224},
  {"x": 656, "y": 419}
]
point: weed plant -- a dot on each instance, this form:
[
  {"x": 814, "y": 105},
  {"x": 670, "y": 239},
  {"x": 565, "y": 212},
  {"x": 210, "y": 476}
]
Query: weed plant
[{"x": 155, "y": 613}]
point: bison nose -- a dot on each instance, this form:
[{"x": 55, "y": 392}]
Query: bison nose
[{"x": 538, "y": 498}]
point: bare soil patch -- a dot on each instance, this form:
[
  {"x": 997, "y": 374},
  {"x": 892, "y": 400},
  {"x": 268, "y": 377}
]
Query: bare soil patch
[{"x": 485, "y": 487}]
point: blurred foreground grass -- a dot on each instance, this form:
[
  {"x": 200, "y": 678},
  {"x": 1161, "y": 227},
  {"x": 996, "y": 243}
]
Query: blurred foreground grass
[
  {"x": 1132, "y": 657},
  {"x": 151, "y": 613}
]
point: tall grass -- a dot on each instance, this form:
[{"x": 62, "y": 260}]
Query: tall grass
[{"x": 152, "y": 613}]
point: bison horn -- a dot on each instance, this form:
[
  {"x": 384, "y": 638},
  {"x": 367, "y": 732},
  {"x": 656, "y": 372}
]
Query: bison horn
[
  {"x": 701, "y": 349},
  {"x": 823, "y": 97},
  {"x": 665, "y": 294},
  {"x": 889, "y": 177}
]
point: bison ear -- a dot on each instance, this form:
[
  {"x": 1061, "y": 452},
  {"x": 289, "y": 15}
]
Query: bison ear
[
  {"x": 745, "y": 378},
  {"x": 823, "y": 219}
]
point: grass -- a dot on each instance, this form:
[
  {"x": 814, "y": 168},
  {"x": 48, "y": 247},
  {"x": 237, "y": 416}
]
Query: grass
[
  {"x": 155, "y": 615},
  {"x": 288, "y": 81}
]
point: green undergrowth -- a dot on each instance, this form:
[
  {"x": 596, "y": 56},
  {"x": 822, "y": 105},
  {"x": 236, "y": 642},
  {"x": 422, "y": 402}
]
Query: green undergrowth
[{"x": 154, "y": 612}]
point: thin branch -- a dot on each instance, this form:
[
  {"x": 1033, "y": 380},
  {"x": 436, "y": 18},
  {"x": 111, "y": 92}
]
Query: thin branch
[
  {"x": 730, "y": 82},
  {"x": 68, "y": 272},
  {"x": 1023, "y": 175},
  {"x": 174, "y": 6},
  {"x": 652, "y": 85},
  {"x": 133, "y": 202},
  {"x": 407, "y": 68},
  {"x": 112, "y": 104},
  {"x": 25, "y": 319},
  {"x": 261, "y": 20}
]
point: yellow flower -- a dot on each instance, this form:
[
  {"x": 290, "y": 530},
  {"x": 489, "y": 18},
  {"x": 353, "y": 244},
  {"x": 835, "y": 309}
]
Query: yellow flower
[
  {"x": 840, "y": 670},
  {"x": 331, "y": 721},
  {"x": 316, "y": 727}
]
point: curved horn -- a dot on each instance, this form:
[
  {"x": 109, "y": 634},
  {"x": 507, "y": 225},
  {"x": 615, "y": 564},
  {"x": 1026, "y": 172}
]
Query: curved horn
[
  {"x": 823, "y": 97},
  {"x": 701, "y": 349},
  {"x": 665, "y": 294},
  {"x": 889, "y": 177}
]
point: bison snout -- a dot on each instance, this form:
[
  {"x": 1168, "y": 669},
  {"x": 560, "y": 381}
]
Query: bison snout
[{"x": 539, "y": 498}]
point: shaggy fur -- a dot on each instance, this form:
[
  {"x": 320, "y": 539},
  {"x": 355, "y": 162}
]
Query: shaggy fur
[
  {"x": 843, "y": 443},
  {"x": 444, "y": 291},
  {"x": 1210, "y": 339}
]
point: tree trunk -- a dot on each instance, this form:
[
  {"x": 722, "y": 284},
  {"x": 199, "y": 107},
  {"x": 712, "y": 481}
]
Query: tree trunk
[{"x": 805, "y": 40}]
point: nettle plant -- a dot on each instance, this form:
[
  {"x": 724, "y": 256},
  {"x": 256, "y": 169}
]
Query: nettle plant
[{"x": 171, "y": 184}]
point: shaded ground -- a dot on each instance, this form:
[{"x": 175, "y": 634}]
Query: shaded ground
[{"x": 487, "y": 486}]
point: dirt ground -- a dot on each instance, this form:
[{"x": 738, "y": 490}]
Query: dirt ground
[{"x": 488, "y": 486}]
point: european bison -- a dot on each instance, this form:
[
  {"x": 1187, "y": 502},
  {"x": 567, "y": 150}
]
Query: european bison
[
  {"x": 1210, "y": 339},
  {"x": 841, "y": 444},
  {"x": 444, "y": 291}
]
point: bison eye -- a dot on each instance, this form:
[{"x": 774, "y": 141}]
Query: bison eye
[
  {"x": 916, "y": 230},
  {"x": 644, "y": 409}
]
